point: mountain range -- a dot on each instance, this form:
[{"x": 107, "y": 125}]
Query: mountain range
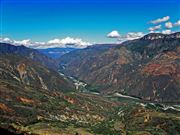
[
  {"x": 148, "y": 68},
  {"x": 56, "y": 53},
  {"x": 29, "y": 53},
  {"x": 132, "y": 88}
]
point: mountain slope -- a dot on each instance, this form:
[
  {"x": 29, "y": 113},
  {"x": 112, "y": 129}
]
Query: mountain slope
[
  {"x": 33, "y": 94},
  {"x": 34, "y": 97},
  {"x": 28, "y": 53},
  {"x": 78, "y": 56},
  {"x": 148, "y": 68},
  {"x": 25, "y": 72}
]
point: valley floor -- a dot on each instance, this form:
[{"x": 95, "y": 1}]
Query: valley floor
[{"x": 89, "y": 114}]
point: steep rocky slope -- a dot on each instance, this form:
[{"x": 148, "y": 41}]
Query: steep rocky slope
[
  {"x": 28, "y": 53},
  {"x": 148, "y": 68},
  {"x": 25, "y": 72}
]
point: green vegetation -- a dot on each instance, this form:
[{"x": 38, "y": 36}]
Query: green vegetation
[{"x": 92, "y": 88}]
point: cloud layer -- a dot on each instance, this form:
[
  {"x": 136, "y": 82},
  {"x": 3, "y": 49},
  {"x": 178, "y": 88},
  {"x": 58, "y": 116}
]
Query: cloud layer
[
  {"x": 154, "y": 28},
  {"x": 113, "y": 34},
  {"x": 168, "y": 25},
  {"x": 62, "y": 43},
  {"x": 132, "y": 36},
  {"x": 177, "y": 23},
  {"x": 129, "y": 36},
  {"x": 171, "y": 25},
  {"x": 160, "y": 20},
  {"x": 166, "y": 32}
]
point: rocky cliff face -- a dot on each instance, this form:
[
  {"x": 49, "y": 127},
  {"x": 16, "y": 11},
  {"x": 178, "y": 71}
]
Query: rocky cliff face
[{"x": 147, "y": 68}]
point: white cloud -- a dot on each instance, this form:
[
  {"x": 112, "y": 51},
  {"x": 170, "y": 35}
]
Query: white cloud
[
  {"x": 6, "y": 40},
  {"x": 166, "y": 32},
  {"x": 113, "y": 34},
  {"x": 131, "y": 36},
  {"x": 154, "y": 31},
  {"x": 154, "y": 28},
  {"x": 171, "y": 25},
  {"x": 160, "y": 20},
  {"x": 168, "y": 25},
  {"x": 177, "y": 23},
  {"x": 23, "y": 42},
  {"x": 69, "y": 42},
  {"x": 63, "y": 43},
  {"x": 54, "y": 41}
]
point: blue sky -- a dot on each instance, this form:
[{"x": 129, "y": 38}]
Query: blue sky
[{"x": 90, "y": 20}]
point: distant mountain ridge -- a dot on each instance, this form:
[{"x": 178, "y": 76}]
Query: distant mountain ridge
[
  {"x": 148, "y": 68},
  {"x": 154, "y": 36},
  {"x": 56, "y": 53},
  {"x": 6, "y": 49}
]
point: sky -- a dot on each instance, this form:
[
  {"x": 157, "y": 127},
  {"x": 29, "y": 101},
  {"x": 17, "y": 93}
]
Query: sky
[{"x": 85, "y": 22}]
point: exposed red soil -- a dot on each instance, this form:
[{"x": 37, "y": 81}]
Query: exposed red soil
[
  {"x": 25, "y": 100},
  {"x": 160, "y": 69},
  {"x": 5, "y": 108}
]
